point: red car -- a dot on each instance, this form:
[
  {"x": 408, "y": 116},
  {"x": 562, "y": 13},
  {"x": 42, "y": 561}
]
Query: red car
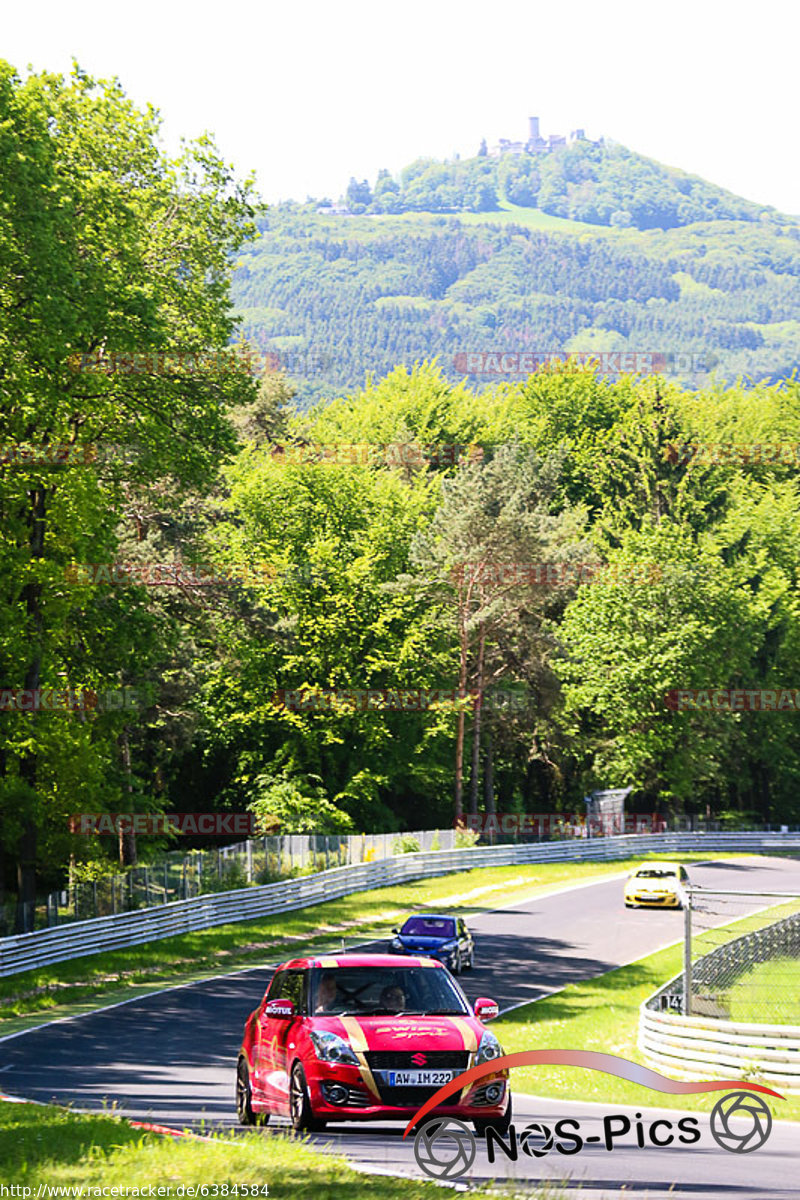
[{"x": 366, "y": 1037}]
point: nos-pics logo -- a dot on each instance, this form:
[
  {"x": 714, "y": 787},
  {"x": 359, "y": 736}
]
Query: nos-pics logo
[{"x": 445, "y": 1148}]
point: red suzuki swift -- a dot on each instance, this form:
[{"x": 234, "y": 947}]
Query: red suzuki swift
[{"x": 366, "y": 1037}]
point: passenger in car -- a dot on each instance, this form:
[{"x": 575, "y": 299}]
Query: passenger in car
[{"x": 394, "y": 998}]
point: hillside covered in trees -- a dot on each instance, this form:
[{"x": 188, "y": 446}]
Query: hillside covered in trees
[
  {"x": 596, "y": 182},
  {"x": 337, "y": 298},
  {"x": 235, "y": 576}
]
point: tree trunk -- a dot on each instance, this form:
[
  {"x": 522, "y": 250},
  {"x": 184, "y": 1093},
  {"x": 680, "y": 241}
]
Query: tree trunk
[
  {"x": 476, "y": 728},
  {"x": 488, "y": 773},
  {"x": 26, "y": 877},
  {"x": 459, "y": 786},
  {"x": 32, "y": 597},
  {"x": 4, "y": 925},
  {"x": 127, "y": 838},
  {"x": 462, "y": 691}
]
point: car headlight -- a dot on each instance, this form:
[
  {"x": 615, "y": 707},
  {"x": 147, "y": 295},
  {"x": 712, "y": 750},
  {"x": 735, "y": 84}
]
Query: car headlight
[
  {"x": 451, "y": 945},
  {"x": 488, "y": 1048},
  {"x": 331, "y": 1048},
  {"x": 397, "y": 944}
]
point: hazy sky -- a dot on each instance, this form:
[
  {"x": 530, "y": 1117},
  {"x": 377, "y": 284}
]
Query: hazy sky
[{"x": 310, "y": 93}]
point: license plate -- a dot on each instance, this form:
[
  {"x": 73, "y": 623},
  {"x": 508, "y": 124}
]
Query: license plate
[{"x": 420, "y": 1078}]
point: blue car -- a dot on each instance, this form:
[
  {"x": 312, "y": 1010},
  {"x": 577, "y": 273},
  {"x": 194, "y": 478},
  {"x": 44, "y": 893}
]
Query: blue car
[{"x": 436, "y": 936}]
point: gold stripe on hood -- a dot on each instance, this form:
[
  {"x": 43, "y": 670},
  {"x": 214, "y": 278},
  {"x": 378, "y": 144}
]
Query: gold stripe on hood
[{"x": 358, "y": 1041}]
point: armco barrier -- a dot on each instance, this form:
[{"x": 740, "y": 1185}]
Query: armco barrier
[
  {"x": 703, "y": 1047},
  {"x": 80, "y": 938},
  {"x": 711, "y": 1048}
]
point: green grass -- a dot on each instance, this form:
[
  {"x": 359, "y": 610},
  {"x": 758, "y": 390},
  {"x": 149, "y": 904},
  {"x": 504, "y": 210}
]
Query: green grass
[
  {"x": 506, "y": 214},
  {"x": 70, "y": 988},
  {"x": 57, "y": 1147},
  {"x": 692, "y": 287},
  {"x": 769, "y": 994},
  {"x": 531, "y": 218},
  {"x": 602, "y": 1014}
]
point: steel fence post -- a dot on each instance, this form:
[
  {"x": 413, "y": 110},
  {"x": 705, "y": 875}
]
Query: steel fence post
[{"x": 687, "y": 954}]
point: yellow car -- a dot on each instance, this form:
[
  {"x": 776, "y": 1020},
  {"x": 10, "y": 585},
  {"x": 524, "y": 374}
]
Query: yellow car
[{"x": 657, "y": 884}]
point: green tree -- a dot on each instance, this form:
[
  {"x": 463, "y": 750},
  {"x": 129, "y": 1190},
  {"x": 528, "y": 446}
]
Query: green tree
[
  {"x": 107, "y": 249},
  {"x": 333, "y": 538},
  {"x": 284, "y": 805},
  {"x": 265, "y": 419},
  {"x": 358, "y": 195},
  {"x": 633, "y": 635},
  {"x": 495, "y": 523}
]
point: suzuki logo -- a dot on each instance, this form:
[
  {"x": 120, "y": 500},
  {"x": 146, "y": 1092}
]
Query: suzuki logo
[{"x": 418, "y": 1060}]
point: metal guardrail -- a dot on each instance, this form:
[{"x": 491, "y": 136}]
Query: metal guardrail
[
  {"x": 28, "y": 951},
  {"x": 180, "y": 875},
  {"x": 710, "y": 1048},
  {"x": 702, "y": 1047}
]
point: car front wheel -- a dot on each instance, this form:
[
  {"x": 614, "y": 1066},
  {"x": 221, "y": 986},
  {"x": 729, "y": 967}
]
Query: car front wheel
[{"x": 300, "y": 1110}]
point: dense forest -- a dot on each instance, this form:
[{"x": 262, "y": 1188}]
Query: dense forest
[
  {"x": 337, "y": 298},
  {"x": 596, "y": 182},
  {"x": 206, "y": 549}
]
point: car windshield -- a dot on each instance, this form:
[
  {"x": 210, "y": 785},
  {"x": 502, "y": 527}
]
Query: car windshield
[
  {"x": 361, "y": 991},
  {"x": 430, "y": 927},
  {"x": 654, "y": 873}
]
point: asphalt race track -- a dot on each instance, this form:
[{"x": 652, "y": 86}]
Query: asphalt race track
[{"x": 170, "y": 1057}]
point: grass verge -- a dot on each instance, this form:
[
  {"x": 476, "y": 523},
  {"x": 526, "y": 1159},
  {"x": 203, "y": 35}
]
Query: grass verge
[
  {"x": 505, "y": 214},
  {"x": 769, "y": 994},
  {"x": 602, "y": 1014},
  {"x": 79, "y": 985},
  {"x": 48, "y": 1146}
]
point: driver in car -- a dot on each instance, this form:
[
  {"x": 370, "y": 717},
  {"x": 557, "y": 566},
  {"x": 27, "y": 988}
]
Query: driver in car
[{"x": 327, "y": 995}]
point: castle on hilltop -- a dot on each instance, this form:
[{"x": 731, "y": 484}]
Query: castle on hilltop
[{"x": 536, "y": 144}]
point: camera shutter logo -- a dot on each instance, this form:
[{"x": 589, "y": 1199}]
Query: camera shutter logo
[
  {"x": 444, "y": 1148},
  {"x": 739, "y": 1107},
  {"x": 536, "y": 1140}
]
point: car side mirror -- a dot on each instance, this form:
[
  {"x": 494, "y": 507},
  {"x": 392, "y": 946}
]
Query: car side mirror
[
  {"x": 395, "y": 931},
  {"x": 278, "y": 1010},
  {"x": 486, "y": 1009}
]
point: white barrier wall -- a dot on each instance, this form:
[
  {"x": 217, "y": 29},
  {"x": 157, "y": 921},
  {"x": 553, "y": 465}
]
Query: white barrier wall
[
  {"x": 80, "y": 938},
  {"x": 711, "y": 1048},
  {"x": 703, "y": 1047}
]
